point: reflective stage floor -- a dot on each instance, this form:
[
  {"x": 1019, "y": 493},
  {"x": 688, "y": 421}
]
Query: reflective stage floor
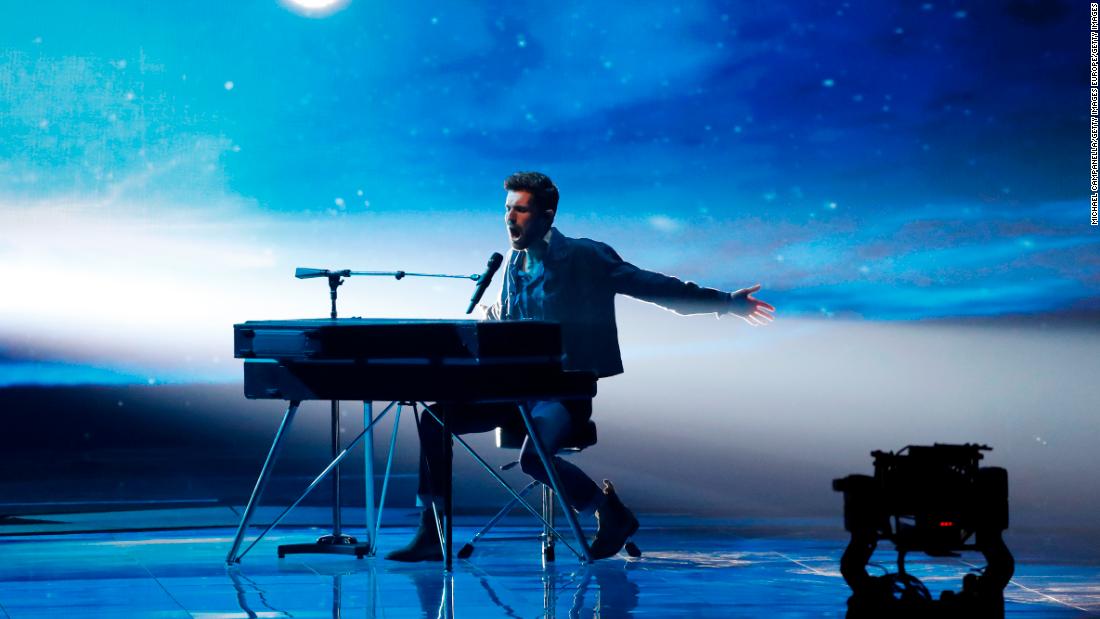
[{"x": 690, "y": 568}]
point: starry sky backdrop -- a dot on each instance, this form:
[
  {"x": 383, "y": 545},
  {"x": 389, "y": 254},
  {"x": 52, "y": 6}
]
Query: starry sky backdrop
[{"x": 165, "y": 166}]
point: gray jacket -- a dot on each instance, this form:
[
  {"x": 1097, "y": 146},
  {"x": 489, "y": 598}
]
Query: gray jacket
[{"x": 581, "y": 280}]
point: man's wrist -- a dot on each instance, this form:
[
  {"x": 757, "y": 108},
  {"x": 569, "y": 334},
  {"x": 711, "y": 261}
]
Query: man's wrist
[{"x": 734, "y": 304}]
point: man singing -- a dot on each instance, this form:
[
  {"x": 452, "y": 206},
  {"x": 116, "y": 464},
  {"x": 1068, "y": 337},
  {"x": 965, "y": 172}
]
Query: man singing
[{"x": 574, "y": 282}]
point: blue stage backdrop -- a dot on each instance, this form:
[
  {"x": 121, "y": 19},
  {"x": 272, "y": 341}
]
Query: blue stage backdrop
[{"x": 908, "y": 182}]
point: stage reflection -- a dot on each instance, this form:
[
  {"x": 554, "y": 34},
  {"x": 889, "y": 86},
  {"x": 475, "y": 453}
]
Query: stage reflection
[{"x": 573, "y": 590}]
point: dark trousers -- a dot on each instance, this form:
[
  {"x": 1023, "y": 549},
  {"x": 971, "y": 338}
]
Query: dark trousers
[{"x": 553, "y": 421}]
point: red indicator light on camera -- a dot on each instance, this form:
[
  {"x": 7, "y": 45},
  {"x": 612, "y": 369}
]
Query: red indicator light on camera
[{"x": 947, "y": 523}]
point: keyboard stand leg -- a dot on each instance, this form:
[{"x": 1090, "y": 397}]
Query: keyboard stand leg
[
  {"x": 368, "y": 480},
  {"x": 261, "y": 481},
  {"x": 385, "y": 481},
  {"x": 448, "y": 493},
  {"x": 555, "y": 482},
  {"x": 447, "y": 604}
]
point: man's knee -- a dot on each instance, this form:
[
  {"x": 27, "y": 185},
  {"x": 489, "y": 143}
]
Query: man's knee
[
  {"x": 530, "y": 464},
  {"x": 430, "y": 424}
]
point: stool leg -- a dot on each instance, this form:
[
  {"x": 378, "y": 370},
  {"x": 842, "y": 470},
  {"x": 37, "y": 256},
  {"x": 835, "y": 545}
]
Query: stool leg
[
  {"x": 548, "y": 515},
  {"x": 468, "y": 549}
]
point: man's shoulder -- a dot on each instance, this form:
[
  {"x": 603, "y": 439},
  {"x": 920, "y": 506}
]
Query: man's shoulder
[{"x": 582, "y": 246}]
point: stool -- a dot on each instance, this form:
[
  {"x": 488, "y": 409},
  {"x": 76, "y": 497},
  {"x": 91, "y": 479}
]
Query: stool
[{"x": 513, "y": 437}]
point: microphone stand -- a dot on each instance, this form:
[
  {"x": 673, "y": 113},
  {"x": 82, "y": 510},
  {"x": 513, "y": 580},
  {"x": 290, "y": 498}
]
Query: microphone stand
[
  {"x": 336, "y": 278},
  {"x": 337, "y": 542}
]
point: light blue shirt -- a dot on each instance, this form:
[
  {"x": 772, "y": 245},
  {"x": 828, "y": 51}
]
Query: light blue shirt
[{"x": 527, "y": 272}]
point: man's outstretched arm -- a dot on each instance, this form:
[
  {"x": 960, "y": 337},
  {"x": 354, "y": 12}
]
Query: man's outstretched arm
[{"x": 683, "y": 297}]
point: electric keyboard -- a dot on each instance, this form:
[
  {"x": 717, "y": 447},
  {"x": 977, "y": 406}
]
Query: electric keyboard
[{"x": 398, "y": 359}]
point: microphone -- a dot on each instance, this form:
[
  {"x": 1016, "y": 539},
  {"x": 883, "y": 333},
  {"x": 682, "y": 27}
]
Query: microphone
[
  {"x": 304, "y": 273},
  {"x": 483, "y": 282}
]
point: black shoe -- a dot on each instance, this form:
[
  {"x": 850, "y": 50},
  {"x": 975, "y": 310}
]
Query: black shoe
[
  {"x": 616, "y": 525},
  {"x": 424, "y": 545}
]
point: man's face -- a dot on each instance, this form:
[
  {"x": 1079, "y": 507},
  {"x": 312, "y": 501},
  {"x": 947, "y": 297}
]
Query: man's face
[{"x": 526, "y": 223}]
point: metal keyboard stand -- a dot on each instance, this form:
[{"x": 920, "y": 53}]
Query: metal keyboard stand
[
  {"x": 444, "y": 520},
  {"x": 359, "y": 550}
]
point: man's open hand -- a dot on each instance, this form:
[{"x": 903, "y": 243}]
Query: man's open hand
[{"x": 753, "y": 311}]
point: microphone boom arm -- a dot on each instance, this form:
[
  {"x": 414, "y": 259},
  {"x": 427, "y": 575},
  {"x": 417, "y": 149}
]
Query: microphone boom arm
[
  {"x": 336, "y": 279},
  {"x": 306, "y": 273}
]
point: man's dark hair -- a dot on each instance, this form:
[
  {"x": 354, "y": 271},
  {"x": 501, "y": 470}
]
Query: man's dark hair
[{"x": 542, "y": 189}]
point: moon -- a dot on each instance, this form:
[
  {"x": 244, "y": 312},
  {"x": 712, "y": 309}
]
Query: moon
[{"x": 315, "y": 8}]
